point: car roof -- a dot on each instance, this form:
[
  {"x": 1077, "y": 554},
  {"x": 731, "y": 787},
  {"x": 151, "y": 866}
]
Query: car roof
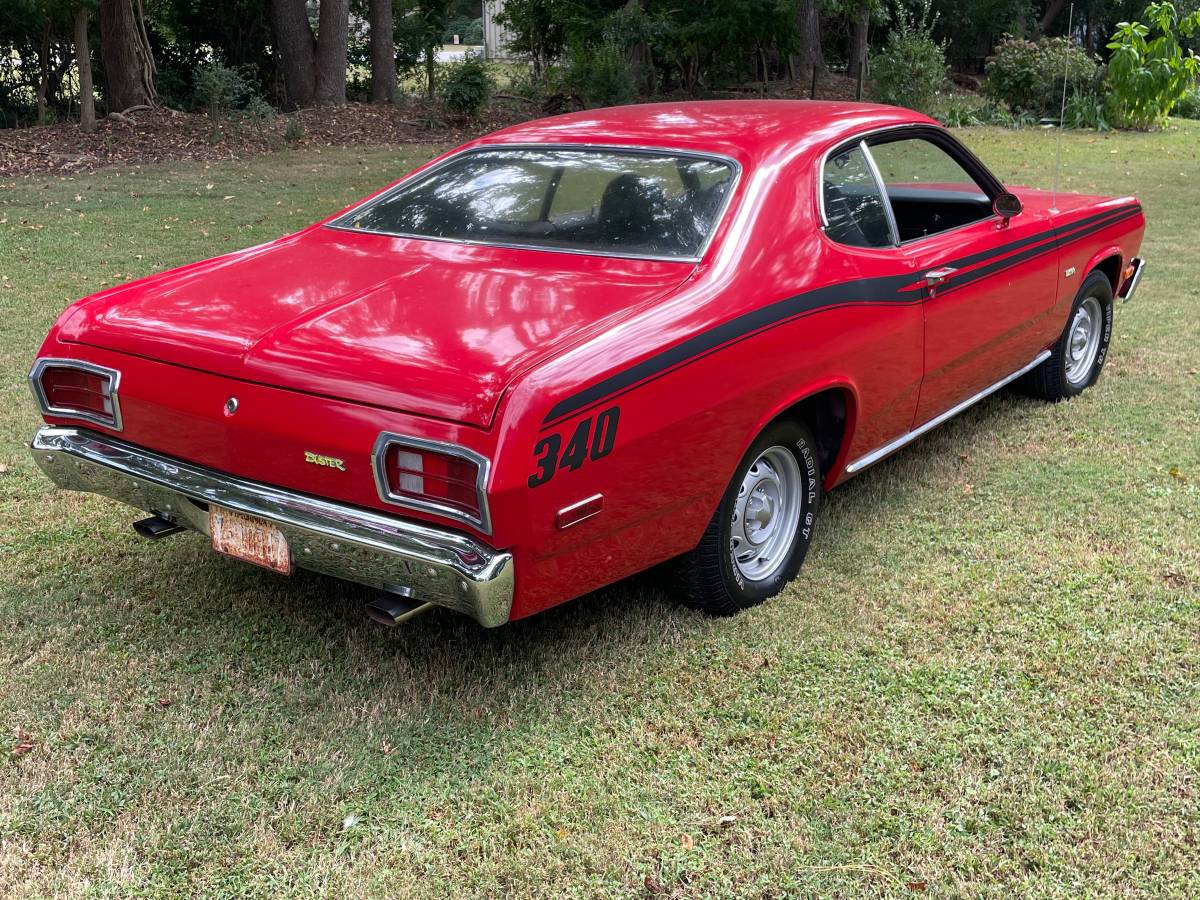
[{"x": 747, "y": 130}]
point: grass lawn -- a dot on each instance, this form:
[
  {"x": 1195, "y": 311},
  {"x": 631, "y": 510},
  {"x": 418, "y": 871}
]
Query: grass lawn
[{"x": 984, "y": 683}]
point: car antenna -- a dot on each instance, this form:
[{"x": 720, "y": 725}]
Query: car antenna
[{"x": 1062, "y": 113}]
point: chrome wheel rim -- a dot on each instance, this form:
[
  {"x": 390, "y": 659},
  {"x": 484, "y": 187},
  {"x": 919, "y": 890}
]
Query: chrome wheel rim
[
  {"x": 766, "y": 514},
  {"x": 1083, "y": 340}
]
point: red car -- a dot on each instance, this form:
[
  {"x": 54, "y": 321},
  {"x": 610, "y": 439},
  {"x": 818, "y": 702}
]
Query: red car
[{"x": 581, "y": 347}]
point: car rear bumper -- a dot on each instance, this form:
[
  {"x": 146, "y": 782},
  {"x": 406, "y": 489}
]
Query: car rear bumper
[{"x": 432, "y": 564}]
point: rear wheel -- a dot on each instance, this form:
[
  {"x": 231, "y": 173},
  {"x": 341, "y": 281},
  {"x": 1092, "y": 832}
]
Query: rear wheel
[
  {"x": 758, "y": 537},
  {"x": 1076, "y": 360}
]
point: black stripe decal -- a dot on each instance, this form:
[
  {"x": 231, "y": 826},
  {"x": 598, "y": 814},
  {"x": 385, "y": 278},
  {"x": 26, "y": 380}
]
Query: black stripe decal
[{"x": 890, "y": 289}]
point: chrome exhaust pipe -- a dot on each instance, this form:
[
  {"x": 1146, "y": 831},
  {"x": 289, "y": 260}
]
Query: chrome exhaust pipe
[
  {"x": 156, "y": 527},
  {"x": 392, "y": 609}
]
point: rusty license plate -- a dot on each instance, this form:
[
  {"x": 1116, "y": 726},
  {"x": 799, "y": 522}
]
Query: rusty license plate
[{"x": 249, "y": 539}]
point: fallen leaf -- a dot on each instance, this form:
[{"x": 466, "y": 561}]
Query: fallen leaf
[
  {"x": 917, "y": 885},
  {"x": 164, "y": 702},
  {"x": 653, "y": 885},
  {"x": 687, "y": 841},
  {"x": 726, "y": 821}
]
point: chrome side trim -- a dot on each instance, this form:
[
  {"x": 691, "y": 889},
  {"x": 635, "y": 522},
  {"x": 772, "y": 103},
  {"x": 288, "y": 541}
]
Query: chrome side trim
[
  {"x": 892, "y": 446},
  {"x": 387, "y": 439},
  {"x": 1127, "y": 289},
  {"x": 437, "y": 565},
  {"x": 336, "y": 224},
  {"x": 883, "y": 194},
  {"x": 39, "y": 393}
]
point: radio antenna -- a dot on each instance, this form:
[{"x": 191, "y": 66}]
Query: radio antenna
[{"x": 1062, "y": 113}]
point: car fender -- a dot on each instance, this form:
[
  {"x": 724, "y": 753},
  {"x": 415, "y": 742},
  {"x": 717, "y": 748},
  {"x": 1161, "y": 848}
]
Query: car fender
[{"x": 795, "y": 397}]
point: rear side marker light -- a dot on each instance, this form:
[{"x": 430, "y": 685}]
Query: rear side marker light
[
  {"x": 578, "y": 512},
  {"x": 73, "y": 389},
  {"x": 434, "y": 476}
]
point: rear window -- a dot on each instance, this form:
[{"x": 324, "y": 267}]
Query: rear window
[{"x": 635, "y": 203}]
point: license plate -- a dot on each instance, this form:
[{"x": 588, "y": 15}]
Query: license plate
[{"x": 249, "y": 539}]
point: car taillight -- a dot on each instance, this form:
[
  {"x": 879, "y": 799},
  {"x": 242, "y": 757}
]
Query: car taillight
[
  {"x": 429, "y": 475},
  {"x": 77, "y": 390}
]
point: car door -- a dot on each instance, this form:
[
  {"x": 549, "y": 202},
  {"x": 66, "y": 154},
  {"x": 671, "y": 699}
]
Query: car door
[{"x": 988, "y": 282}]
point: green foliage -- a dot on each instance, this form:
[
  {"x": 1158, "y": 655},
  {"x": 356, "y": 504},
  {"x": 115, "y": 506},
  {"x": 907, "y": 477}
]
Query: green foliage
[
  {"x": 221, "y": 90},
  {"x": 1085, "y": 109},
  {"x": 960, "y": 113},
  {"x": 1028, "y": 75},
  {"x": 911, "y": 69},
  {"x": 1149, "y": 71},
  {"x": 1188, "y": 106},
  {"x": 295, "y": 130},
  {"x": 599, "y": 76},
  {"x": 537, "y": 28},
  {"x": 466, "y": 86},
  {"x": 468, "y": 29}
]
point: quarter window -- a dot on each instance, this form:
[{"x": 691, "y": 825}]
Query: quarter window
[{"x": 855, "y": 213}]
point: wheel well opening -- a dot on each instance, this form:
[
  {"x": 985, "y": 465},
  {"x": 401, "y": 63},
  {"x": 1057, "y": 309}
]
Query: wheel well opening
[
  {"x": 825, "y": 413},
  {"x": 1111, "y": 267}
]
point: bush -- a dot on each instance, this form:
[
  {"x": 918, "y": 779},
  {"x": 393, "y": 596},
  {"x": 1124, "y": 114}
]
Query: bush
[
  {"x": 466, "y": 86},
  {"x": 1028, "y": 75},
  {"x": 911, "y": 69},
  {"x": 1149, "y": 71},
  {"x": 295, "y": 130},
  {"x": 1189, "y": 105},
  {"x": 599, "y": 76},
  {"x": 221, "y": 90},
  {"x": 1085, "y": 109}
]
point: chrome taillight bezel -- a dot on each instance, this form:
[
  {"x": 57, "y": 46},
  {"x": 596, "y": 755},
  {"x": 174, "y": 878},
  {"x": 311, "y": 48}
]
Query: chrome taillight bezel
[
  {"x": 113, "y": 423},
  {"x": 387, "y": 440}
]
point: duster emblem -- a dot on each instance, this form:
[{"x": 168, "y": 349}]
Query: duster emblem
[{"x": 329, "y": 462}]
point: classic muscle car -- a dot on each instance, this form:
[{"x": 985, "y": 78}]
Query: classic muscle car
[{"x": 582, "y": 347}]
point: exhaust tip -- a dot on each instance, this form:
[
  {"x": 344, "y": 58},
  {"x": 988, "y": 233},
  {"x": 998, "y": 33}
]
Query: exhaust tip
[
  {"x": 156, "y": 527},
  {"x": 390, "y": 610}
]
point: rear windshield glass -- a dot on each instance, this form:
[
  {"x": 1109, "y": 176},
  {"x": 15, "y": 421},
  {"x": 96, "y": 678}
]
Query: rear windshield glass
[{"x": 595, "y": 201}]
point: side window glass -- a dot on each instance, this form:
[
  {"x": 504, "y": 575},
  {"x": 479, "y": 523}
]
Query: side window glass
[
  {"x": 854, "y": 208},
  {"x": 927, "y": 187}
]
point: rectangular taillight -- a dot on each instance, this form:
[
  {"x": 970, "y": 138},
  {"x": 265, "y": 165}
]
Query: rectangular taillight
[
  {"x": 77, "y": 390},
  {"x": 434, "y": 476}
]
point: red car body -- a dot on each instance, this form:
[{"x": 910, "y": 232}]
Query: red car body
[{"x": 329, "y": 337}]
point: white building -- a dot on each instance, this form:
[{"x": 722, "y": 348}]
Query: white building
[{"x": 495, "y": 37}]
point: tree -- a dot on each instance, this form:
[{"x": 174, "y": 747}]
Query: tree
[
  {"x": 383, "y": 52},
  {"x": 808, "y": 24},
  {"x": 537, "y": 27},
  {"x": 313, "y": 67},
  {"x": 859, "y": 44},
  {"x": 125, "y": 49},
  {"x": 83, "y": 53}
]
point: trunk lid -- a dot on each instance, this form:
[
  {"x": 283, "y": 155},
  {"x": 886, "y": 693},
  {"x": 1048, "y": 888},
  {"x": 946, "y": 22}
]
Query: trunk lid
[{"x": 426, "y": 327}]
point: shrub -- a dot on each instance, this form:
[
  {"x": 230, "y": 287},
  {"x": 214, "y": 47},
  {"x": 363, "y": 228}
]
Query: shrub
[
  {"x": 466, "y": 86},
  {"x": 1149, "y": 71},
  {"x": 1028, "y": 75},
  {"x": 911, "y": 69},
  {"x": 1085, "y": 109},
  {"x": 599, "y": 75},
  {"x": 221, "y": 90},
  {"x": 295, "y": 130},
  {"x": 1188, "y": 106}
]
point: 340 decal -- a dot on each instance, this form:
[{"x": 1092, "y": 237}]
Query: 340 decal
[{"x": 585, "y": 443}]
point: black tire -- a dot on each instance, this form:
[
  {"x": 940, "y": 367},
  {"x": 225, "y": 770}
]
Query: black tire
[
  {"x": 1049, "y": 381},
  {"x": 708, "y": 578}
]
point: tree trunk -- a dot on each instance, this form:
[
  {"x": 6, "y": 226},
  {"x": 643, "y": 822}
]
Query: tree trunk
[
  {"x": 83, "y": 53},
  {"x": 808, "y": 19},
  {"x": 332, "y": 33},
  {"x": 430, "y": 57},
  {"x": 296, "y": 50},
  {"x": 128, "y": 65},
  {"x": 1052, "y": 10},
  {"x": 383, "y": 52},
  {"x": 43, "y": 72},
  {"x": 859, "y": 46}
]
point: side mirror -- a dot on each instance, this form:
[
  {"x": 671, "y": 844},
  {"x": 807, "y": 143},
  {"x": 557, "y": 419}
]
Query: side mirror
[{"x": 1006, "y": 205}]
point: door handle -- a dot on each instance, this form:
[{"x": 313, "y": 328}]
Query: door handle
[{"x": 934, "y": 277}]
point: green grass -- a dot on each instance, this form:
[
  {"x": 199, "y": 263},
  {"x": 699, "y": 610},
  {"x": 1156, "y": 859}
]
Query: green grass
[{"x": 985, "y": 681}]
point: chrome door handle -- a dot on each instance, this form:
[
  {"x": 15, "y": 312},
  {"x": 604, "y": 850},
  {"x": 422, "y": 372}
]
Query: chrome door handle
[{"x": 934, "y": 277}]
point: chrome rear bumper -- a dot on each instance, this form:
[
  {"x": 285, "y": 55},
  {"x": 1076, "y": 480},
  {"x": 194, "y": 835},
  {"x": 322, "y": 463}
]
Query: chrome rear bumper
[{"x": 442, "y": 567}]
